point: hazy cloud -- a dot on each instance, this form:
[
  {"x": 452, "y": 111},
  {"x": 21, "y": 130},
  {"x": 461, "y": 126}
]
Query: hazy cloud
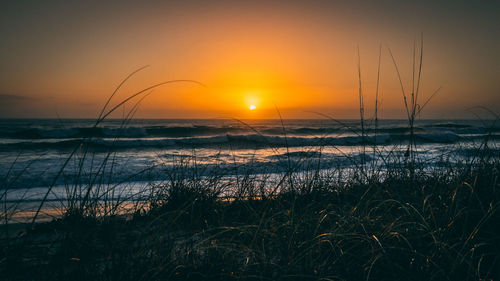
[
  {"x": 12, "y": 105},
  {"x": 14, "y": 98}
]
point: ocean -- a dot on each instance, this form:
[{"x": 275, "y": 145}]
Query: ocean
[{"x": 36, "y": 154}]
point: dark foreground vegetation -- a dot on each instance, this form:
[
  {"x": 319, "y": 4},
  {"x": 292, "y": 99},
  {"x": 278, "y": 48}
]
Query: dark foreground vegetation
[{"x": 438, "y": 224}]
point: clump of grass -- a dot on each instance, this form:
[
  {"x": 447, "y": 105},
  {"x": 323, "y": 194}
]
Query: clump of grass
[{"x": 444, "y": 228}]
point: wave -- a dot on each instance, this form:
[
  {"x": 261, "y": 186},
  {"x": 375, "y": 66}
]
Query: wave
[
  {"x": 149, "y": 131},
  {"x": 155, "y": 131},
  {"x": 299, "y": 155},
  {"x": 240, "y": 141},
  {"x": 188, "y": 130},
  {"x": 127, "y": 172},
  {"x": 103, "y": 132}
]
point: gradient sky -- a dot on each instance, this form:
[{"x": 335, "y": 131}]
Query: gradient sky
[{"x": 64, "y": 58}]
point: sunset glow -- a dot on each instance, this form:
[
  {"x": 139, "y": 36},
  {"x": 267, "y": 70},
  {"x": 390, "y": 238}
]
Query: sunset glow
[
  {"x": 252, "y": 107},
  {"x": 301, "y": 59}
]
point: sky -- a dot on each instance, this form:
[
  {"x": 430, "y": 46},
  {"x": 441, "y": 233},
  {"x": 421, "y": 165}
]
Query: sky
[{"x": 63, "y": 59}]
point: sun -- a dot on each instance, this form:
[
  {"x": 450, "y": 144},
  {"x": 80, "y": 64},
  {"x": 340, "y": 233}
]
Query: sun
[{"x": 252, "y": 107}]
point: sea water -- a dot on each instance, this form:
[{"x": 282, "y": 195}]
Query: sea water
[{"x": 38, "y": 154}]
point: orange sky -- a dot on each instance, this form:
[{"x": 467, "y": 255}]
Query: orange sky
[{"x": 65, "y": 59}]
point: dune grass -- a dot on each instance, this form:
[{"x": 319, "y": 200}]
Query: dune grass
[{"x": 442, "y": 226}]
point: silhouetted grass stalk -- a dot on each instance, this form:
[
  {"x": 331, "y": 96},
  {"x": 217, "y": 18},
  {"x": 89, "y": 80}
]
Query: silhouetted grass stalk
[{"x": 412, "y": 107}]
